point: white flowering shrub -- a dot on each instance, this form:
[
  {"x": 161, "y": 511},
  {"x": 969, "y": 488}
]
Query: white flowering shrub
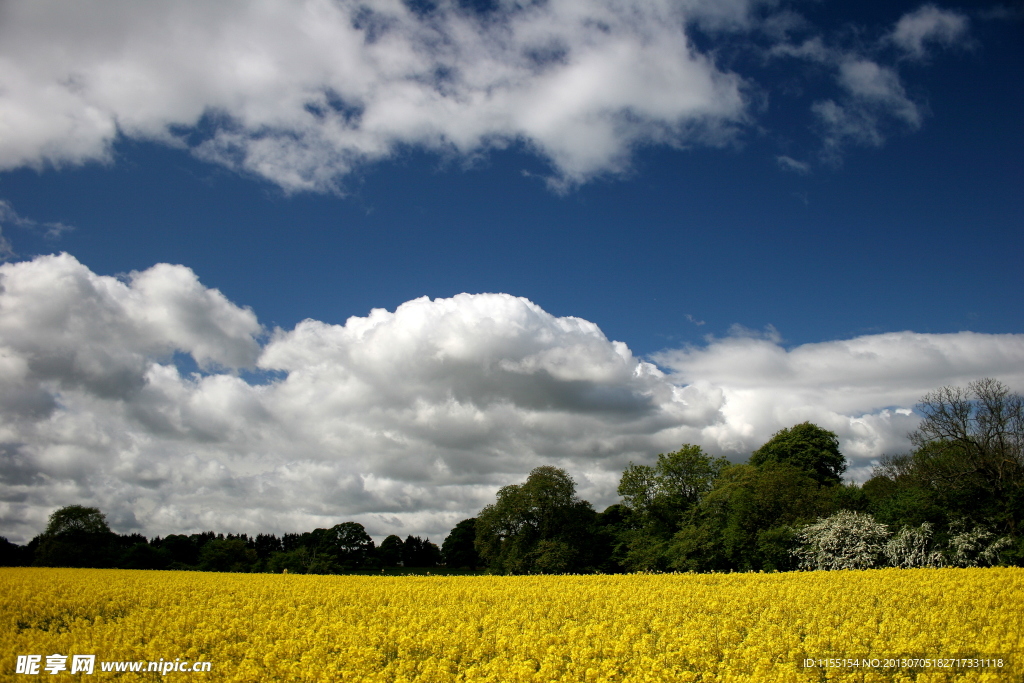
[
  {"x": 974, "y": 548},
  {"x": 912, "y": 547},
  {"x": 846, "y": 540}
]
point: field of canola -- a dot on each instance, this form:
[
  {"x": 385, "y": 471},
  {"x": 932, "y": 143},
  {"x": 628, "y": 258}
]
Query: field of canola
[{"x": 657, "y": 628}]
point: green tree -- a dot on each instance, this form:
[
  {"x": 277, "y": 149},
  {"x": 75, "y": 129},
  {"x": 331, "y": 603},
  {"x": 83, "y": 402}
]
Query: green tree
[
  {"x": 227, "y": 555},
  {"x": 418, "y": 552},
  {"x": 76, "y": 519},
  {"x": 183, "y": 551},
  {"x": 806, "y": 446},
  {"x": 459, "y": 548},
  {"x": 658, "y": 498},
  {"x": 299, "y": 560},
  {"x": 538, "y": 526},
  {"x": 77, "y": 536},
  {"x": 748, "y": 520},
  {"x": 12, "y": 555},
  {"x": 390, "y": 551},
  {"x": 966, "y": 469},
  {"x": 347, "y": 544}
]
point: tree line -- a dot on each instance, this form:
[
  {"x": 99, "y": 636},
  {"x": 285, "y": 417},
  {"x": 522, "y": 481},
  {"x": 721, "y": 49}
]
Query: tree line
[
  {"x": 956, "y": 499},
  {"x": 78, "y": 536}
]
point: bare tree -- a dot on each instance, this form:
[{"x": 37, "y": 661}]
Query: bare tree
[{"x": 973, "y": 433}]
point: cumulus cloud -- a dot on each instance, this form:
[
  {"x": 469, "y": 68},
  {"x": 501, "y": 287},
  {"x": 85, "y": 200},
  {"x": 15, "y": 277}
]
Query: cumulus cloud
[
  {"x": 407, "y": 420},
  {"x": 300, "y": 93},
  {"x": 926, "y": 26},
  {"x": 303, "y": 93}
]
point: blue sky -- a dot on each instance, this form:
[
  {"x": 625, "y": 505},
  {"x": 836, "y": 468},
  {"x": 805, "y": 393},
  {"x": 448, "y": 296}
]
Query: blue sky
[{"x": 782, "y": 210}]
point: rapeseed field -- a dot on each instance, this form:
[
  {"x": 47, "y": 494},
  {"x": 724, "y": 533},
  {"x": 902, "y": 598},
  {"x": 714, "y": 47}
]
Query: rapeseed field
[{"x": 591, "y": 629}]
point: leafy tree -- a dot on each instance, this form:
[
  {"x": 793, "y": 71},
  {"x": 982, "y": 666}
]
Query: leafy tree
[
  {"x": 658, "y": 497},
  {"x": 417, "y": 552},
  {"x": 183, "y": 551},
  {"x": 266, "y": 545},
  {"x": 611, "y": 539},
  {"x": 806, "y": 446},
  {"x": 459, "y": 548},
  {"x": 846, "y": 540},
  {"x": 747, "y": 521},
  {"x": 76, "y": 519},
  {"x": 966, "y": 470},
  {"x": 77, "y": 536},
  {"x": 297, "y": 561},
  {"x": 12, "y": 555},
  {"x": 344, "y": 546},
  {"x": 537, "y": 526},
  {"x": 144, "y": 556},
  {"x": 227, "y": 555},
  {"x": 390, "y": 551}
]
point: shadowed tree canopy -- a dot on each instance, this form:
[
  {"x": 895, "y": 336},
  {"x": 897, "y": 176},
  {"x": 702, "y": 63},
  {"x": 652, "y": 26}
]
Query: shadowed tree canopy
[
  {"x": 805, "y": 446},
  {"x": 77, "y": 519},
  {"x": 459, "y": 548},
  {"x": 348, "y": 544},
  {"x": 76, "y": 536},
  {"x": 539, "y": 526},
  {"x": 390, "y": 551}
]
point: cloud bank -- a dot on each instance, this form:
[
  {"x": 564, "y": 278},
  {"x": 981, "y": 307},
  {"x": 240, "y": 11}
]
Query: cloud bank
[
  {"x": 302, "y": 93},
  {"x": 406, "y": 421}
]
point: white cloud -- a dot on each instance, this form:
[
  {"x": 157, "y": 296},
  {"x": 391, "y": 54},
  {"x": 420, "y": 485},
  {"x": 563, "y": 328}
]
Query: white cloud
[
  {"x": 791, "y": 164},
  {"x": 406, "y": 421},
  {"x": 873, "y": 98},
  {"x": 869, "y": 82},
  {"x": 860, "y": 388},
  {"x": 916, "y": 30},
  {"x": 300, "y": 93}
]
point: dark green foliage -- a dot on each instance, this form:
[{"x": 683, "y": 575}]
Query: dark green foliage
[
  {"x": 227, "y": 555},
  {"x": 609, "y": 545},
  {"x": 77, "y": 536},
  {"x": 389, "y": 554},
  {"x": 539, "y": 526},
  {"x": 183, "y": 551},
  {"x": 76, "y": 519},
  {"x": 145, "y": 556},
  {"x": 343, "y": 547},
  {"x": 266, "y": 545},
  {"x": 807, "y": 447},
  {"x": 658, "y": 497},
  {"x": 459, "y": 548},
  {"x": 351, "y": 546},
  {"x": 417, "y": 552},
  {"x": 747, "y": 521},
  {"x": 12, "y": 555},
  {"x": 297, "y": 561}
]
